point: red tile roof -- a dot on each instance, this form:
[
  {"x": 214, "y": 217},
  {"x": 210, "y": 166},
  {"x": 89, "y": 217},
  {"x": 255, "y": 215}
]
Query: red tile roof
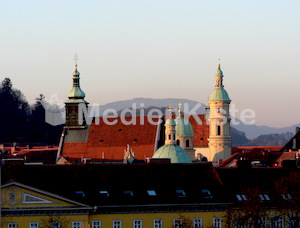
[
  {"x": 110, "y": 141},
  {"x": 201, "y": 132}
]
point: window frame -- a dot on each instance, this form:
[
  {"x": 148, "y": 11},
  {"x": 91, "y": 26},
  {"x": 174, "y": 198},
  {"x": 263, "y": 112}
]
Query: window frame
[
  {"x": 75, "y": 223},
  {"x": 137, "y": 225},
  {"x": 34, "y": 223},
  {"x": 96, "y": 225},
  {"x": 160, "y": 225},
  {"x": 119, "y": 225},
  {"x": 177, "y": 222},
  {"x": 198, "y": 222},
  {"x": 274, "y": 222},
  {"x": 12, "y": 225},
  {"x": 217, "y": 222}
]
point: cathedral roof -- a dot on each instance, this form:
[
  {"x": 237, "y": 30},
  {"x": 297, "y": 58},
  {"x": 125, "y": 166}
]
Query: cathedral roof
[
  {"x": 183, "y": 127},
  {"x": 174, "y": 152},
  {"x": 109, "y": 141}
]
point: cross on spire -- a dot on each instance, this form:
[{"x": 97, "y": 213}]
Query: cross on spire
[
  {"x": 219, "y": 60},
  {"x": 75, "y": 59},
  {"x": 179, "y": 108},
  {"x": 170, "y": 110}
]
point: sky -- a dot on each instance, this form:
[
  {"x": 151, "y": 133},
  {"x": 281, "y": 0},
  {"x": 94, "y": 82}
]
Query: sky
[{"x": 157, "y": 49}]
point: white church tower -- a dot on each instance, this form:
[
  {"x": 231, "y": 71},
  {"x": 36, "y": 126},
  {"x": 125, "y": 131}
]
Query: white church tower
[{"x": 219, "y": 120}]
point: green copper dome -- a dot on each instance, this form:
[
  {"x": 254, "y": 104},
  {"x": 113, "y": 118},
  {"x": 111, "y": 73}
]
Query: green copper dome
[
  {"x": 219, "y": 94},
  {"x": 183, "y": 127},
  {"x": 76, "y": 92},
  {"x": 170, "y": 122},
  {"x": 174, "y": 152}
]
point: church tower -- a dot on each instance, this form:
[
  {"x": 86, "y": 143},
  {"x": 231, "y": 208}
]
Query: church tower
[
  {"x": 219, "y": 121},
  {"x": 76, "y": 97},
  {"x": 185, "y": 134},
  {"x": 171, "y": 150}
]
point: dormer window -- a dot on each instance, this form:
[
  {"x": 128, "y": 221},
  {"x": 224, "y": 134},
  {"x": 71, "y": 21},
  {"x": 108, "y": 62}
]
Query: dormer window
[
  {"x": 128, "y": 193},
  {"x": 180, "y": 193},
  {"x": 264, "y": 197},
  {"x": 206, "y": 194},
  {"x": 80, "y": 194},
  {"x": 104, "y": 193},
  {"x": 241, "y": 197},
  {"x": 286, "y": 196},
  {"x": 151, "y": 192}
]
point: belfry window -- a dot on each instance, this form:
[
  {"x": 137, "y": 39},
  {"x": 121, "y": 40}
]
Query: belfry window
[
  {"x": 174, "y": 136},
  {"x": 187, "y": 143},
  {"x": 218, "y": 130},
  {"x": 170, "y": 137}
]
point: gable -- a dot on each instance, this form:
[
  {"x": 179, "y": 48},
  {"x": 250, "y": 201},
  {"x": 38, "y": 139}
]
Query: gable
[{"x": 16, "y": 195}]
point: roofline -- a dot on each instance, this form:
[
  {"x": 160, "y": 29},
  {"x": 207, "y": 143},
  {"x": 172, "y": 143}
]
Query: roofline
[{"x": 43, "y": 192}]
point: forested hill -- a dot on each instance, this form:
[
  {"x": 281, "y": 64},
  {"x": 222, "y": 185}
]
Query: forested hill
[{"x": 22, "y": 123}]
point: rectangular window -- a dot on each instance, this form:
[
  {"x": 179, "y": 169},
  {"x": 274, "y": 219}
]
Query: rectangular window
[
  {"x": 55, "y": 225},
  {"x": 34, "y": 225},
  {"x": 242, "y": 223},
  {"x": 137, "y": 223},
  {"x": 117, "y": 224},
  {"x": 197, "y": 223},
  {"x": 177, "y": 223},
  {"x": 12, "y": 225},
  {"x": 76, "y": 224},
  {"x": 217, "y": 222},
  {"x": 157, "y": 223},
  {"x": 277, "y": 222},
  {"x": 219, "y": 130},
  {"x": 96, "y": 224}
]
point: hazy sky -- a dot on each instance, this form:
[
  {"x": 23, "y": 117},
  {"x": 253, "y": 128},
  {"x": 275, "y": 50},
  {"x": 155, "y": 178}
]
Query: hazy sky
[{"x": 157, "y": 49}]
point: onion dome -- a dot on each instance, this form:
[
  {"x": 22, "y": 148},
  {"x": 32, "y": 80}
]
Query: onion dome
[
  {"x": 76, "y": 92},
  {"x": 183, "y": 126},
  {"x": 219, "y": 93}
]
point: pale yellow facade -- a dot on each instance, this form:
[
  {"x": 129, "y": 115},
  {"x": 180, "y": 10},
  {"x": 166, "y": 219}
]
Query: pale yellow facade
[{"x": 22, "y": 206}]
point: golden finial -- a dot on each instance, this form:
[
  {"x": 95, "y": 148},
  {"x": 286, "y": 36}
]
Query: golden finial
[
  {"x": 179, "y": 108},
  {"x": 170, "y": 110},
  {"x": 219, "y": 60}
]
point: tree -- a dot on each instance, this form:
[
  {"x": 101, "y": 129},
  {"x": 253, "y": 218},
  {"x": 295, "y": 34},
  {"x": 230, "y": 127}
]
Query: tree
[
  {"x": 14, "y": 114},
  {"x": 248, "y": 213},
  {"x": 54, "y": 221},
  {"x": 288, "y": 198}
]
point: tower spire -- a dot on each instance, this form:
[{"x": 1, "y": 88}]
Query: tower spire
[
  {"x": 76, "y": 92},
  {"x": 219, "y": 76},
  {"x": 179, "y": 111}
]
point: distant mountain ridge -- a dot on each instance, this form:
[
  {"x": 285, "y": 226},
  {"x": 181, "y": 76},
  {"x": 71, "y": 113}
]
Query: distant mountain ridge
[{"x": 251, "y": 131}]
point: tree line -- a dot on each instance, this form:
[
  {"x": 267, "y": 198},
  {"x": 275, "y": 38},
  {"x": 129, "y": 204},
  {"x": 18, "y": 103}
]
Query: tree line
[{"x": 21, "y": 122}]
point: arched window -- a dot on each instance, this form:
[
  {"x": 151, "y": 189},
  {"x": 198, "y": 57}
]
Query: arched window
[
  {"x": 219, "y": 130},
  {"x": 169, "y": 137},
  {"x": 178, "y": 142},
  {"x": 187, "y": 143},
  {"x": 174, "y": 137}
]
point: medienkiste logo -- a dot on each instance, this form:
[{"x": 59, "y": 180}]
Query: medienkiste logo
[{"x": 55, "y": 114}]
